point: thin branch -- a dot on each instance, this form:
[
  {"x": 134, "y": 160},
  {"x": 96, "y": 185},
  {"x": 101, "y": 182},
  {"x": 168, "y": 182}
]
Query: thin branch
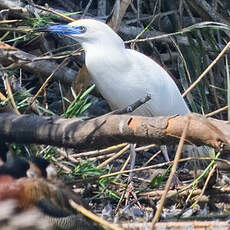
[{"x": 172, "y": 173}]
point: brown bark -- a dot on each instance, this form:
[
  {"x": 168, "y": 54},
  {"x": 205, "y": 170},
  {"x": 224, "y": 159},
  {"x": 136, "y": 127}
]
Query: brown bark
[
  {"x": 15, "y": 8},
  {"x": 207, "y": 12},
  {"x": 111, "y": 129},
  {"x": 14, "y": 57},
  {"x": 119, "y": 10}
]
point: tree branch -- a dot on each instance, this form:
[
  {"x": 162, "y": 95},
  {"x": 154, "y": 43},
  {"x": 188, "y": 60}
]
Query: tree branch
[
  {"x": 112, "y": 129},
  {"x": 12, "y": 56}
]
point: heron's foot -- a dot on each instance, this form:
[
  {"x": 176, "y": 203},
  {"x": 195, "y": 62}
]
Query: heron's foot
[
  {"x": 175, "y": 182},
  {"x": 131, "y": 191}
]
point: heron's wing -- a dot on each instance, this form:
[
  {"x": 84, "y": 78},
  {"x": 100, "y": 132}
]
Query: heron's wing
[{"x": 166, "y": 97}]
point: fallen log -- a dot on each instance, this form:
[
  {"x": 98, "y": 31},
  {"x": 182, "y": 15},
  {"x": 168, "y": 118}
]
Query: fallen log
[{"x": 108, "y": 130}]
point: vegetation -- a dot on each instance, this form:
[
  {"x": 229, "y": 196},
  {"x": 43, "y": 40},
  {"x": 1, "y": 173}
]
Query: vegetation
[{"x": 183, "y": 36}]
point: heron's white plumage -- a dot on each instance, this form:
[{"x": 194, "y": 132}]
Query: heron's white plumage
[{"x": 123, "y": 75}]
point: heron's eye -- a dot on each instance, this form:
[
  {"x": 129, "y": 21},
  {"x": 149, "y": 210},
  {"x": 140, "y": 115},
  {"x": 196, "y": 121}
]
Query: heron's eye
[{"x": 82, "y": 28}]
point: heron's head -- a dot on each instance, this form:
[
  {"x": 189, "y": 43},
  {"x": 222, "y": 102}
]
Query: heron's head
[{"x": 86, "y": 31}]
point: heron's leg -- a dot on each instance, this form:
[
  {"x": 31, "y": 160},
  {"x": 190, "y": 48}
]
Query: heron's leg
[
  {"x": 132, "y": 160},
  {"x": 165, "y": 152},
  {"x": 175, "y": 180},
  {"x": 130, "y": 189}
]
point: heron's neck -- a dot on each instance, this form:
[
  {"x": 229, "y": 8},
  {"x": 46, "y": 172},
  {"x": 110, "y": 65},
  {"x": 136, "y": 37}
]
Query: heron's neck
[
  {"x": 104, "y": 44},
  {"x": 104, "y": 51},
  {"x": 103, "y": 59}
]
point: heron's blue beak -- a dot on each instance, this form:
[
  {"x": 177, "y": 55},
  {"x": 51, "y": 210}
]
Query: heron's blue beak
[{"x": 62, "y": 29}]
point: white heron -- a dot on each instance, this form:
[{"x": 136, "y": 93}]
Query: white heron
[{"x": 123, "y": 75}]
